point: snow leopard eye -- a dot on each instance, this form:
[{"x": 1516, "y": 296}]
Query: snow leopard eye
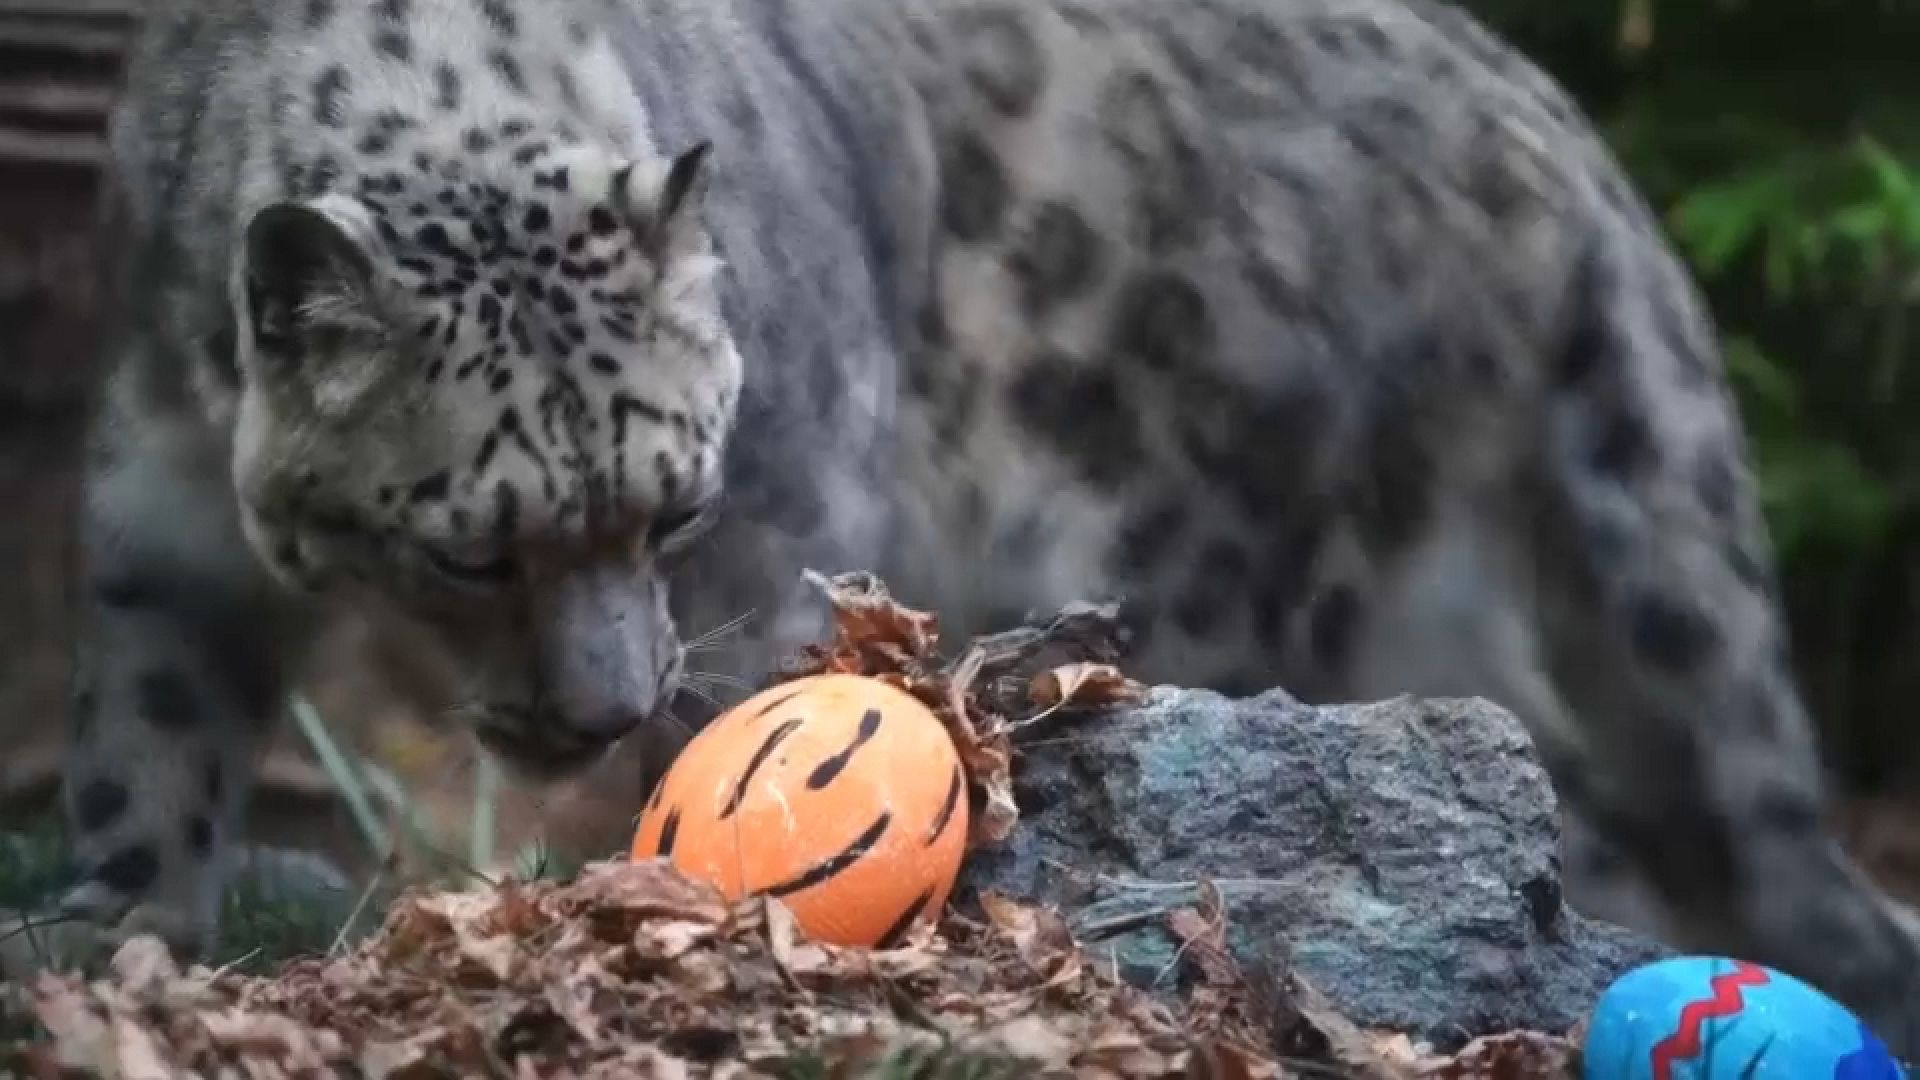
[
  {"x": 487, "y": 574},
  {"x": 672, "y": 531}
]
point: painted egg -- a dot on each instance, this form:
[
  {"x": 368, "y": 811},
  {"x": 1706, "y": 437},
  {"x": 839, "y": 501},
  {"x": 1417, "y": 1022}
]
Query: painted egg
[
  {"x": 1710, "y": 1018},
  {"x": 839, "y": 794}
]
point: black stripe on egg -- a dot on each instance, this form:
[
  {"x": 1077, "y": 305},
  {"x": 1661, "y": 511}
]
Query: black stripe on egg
[
  {"x": 776, "y": 703},
  {"x": 829, "y": 770},
  {"x": 668, "y": 833},
  {"x": 753, "y": 765},
  {"x": 902, "y": 924},
  {"x": 827, "y": 868},
  {"x": 947, "y": 808}
]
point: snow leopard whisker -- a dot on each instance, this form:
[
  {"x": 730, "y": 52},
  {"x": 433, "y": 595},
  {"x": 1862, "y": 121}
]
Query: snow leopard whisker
[{"x": 711, "y": 639}]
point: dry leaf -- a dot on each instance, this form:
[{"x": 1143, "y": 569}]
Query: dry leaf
[
  {"x": 1039, "y": 934},
  {"x": 648, "y": 888},
  {"x": 1346, "y": 1044},
  {"x": 135, "y": 1057},
  {"x": 494, "y": 955},
  {"x": 1517, "y": 1055},
  {"x": 1396, "y": 1048},
  {"x": 796, "y": 957},
  {"x": 1216, "y": 1060},
  {"x": 1084, "y": 686},
  {"x": 82, "y": 1038},
  {"x": 666, "y": 939},
  {"x": 1202, "y": 933},
  {"x": 868, "y": 626},
  {"x": 1029, "y": 1038},
  {"x": 143, "y": 964},
  {"x": 998, "y": 812}
]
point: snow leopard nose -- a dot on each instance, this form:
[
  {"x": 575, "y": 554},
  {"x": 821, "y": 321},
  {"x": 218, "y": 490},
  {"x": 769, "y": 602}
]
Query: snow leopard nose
[{"x": 609, "y": 653}]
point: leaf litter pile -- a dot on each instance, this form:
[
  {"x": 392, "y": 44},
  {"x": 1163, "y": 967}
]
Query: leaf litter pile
[{"x": 634, "y": 970}]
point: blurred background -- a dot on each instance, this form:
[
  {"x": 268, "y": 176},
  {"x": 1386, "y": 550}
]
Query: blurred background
[{"x": 1778, "y": 139}]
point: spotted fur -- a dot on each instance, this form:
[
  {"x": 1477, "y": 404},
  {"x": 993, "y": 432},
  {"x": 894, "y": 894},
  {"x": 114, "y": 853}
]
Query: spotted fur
[{"x": 1323, "y": 332}]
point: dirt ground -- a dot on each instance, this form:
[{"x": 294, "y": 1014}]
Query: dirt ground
[{"x": 56, "y": 75}]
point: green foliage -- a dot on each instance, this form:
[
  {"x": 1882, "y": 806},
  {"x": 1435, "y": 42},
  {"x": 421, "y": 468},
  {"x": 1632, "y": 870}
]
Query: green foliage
[
  {"x": 260, "y": 931},
  {"x": 1777, "y": 143},
  {"x": 1838, "y": 232},
  {"x": 33, "y": 865}
]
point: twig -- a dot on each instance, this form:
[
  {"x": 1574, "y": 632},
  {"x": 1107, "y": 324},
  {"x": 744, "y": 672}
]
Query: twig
[
  {"x": 1145, "y": 885},
  {"x": 234, "y": 963},
  {"x": 374, "y": 882},
  {"x": 29, "y": 924},
  {"x": 1120, "y": 924}
]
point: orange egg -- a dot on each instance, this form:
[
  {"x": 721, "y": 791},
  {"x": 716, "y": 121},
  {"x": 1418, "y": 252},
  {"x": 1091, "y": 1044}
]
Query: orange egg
[{"x": 839, "y": 794}]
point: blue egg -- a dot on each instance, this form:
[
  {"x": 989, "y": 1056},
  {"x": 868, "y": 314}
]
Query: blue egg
[{"x": 1710, "y": 1018}]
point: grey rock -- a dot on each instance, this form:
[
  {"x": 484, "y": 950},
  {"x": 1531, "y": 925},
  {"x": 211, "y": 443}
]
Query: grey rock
[
  {"x": 284, "y": 876},
  {"x": 1401, "y": 856}
]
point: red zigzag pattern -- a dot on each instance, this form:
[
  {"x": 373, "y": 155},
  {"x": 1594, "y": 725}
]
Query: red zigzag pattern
[{"x": 1726, "y": 1000}]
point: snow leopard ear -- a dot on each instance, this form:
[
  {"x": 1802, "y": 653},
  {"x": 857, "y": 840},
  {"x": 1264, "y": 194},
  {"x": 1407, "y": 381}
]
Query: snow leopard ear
[
  {"x": 665, "y": 207},
  {"x": 306, "y": 264}
]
